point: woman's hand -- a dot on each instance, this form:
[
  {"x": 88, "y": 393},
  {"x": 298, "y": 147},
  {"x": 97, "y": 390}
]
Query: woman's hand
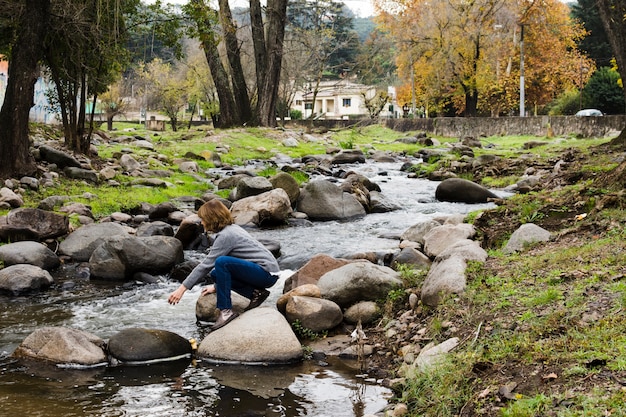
[
  {"x": 209, "y": 289},
  {"x": 175, "y": 297}
]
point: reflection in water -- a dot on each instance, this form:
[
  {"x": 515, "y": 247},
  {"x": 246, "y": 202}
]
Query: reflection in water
[{"x": 201, "y": 389}]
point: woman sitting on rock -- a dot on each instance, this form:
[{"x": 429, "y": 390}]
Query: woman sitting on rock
[{"x": 236, "y": 261}]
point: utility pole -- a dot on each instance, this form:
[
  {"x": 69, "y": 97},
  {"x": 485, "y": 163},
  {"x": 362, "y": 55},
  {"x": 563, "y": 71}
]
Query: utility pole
[{"x": 522, "y": 111}]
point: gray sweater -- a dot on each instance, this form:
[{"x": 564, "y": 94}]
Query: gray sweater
[{"x": 233, "y": 241}]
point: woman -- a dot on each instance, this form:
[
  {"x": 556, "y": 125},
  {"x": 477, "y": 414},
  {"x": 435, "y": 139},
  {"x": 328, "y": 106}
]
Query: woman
[{"x": 236, "y": 261}]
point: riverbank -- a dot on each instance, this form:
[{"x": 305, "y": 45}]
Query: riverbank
[{"x": 540, "y": 330}]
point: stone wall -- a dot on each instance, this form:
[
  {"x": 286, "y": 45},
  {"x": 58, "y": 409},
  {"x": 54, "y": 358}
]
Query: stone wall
[{"x": 588, "y": 127}]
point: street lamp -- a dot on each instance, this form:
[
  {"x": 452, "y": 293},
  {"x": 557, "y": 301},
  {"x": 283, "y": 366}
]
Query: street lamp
[{"x": 522, "y": 111}]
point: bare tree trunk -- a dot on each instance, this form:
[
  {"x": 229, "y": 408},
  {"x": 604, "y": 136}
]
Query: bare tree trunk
[
  {"x": 229, "y": 114},
  {"x": 15, "y": 158},
  {"x": 612, "y": 14},
  {"x": 240, "y": 90},
  {"x": 277, "y": 16},
  {"x": 258, "y": 42}
]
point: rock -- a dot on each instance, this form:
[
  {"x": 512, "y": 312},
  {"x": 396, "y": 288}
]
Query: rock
[
  {"x": 57, "y": 157},
  {"x": 119, "y": 257},
  {"x": 306, "y": 290},
  {"x": 379, "y": 203},
  {"x": 32, "y": 224},
  {"x": 349, "y": 156},
  {"x": 63, "y": 346},
  {"x": 128, "y": 163},
  {"x": 417, "y": 232},
  {"x": 447, "y": 274},
  {"x": 251, "y": 186},
  {"x": 411, "y": 257},
  {"x": 365, "y": 312},
  {"x": 458, "y": 190},
  {"x": 22, "y": 278},
  {"x": 315, "y": 314},
  {"x": 323, "y": 200},
  {"x": 28, "y": 252},
  {"x": 311, "y": 272},
  {"x": 444, "y": 236},
  {"x": 157, "y": 228},
  {"x": 162, "y": 211},
  {"x": 81, "y": 174},
  {"x": 271, "y": 207},
  {"x": 190, "y": 167},
  {"x": 359, "y": 281},
  {"x": 288, "y": 183},
  {"x": 8, "y": 196},
  {"x": 77, "y": 208},
  {"x": 525, "y": 235},
  {"x": 262, "y": 335},
  {"x": 148, "y": 345},
  {"x": 81, "y": 243},
  {"x": 206, "y": 306}
]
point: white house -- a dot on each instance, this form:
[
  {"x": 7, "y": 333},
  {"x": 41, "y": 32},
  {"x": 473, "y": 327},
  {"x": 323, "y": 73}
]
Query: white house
[{"x": 338, "y": 99}]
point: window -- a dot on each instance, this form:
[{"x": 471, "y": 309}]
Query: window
[
  {"x": 308, "y": 106},
  {"x": 298, "y": 102},
  {"x": 347, "y": 102}
]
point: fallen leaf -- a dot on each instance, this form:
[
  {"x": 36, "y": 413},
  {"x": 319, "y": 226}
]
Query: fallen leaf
[{"x": 549, "y": 377}]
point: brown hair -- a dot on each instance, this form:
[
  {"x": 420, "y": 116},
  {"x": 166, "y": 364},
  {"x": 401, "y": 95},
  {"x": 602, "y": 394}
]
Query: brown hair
[{"x": 215, "y": 214}]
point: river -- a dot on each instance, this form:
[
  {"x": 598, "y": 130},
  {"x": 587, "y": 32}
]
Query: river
[{"x": 193, "y": 387}]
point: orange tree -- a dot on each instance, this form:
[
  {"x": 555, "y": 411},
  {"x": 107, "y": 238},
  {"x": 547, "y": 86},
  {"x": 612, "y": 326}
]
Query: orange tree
[{"x": 466, "y": 54}]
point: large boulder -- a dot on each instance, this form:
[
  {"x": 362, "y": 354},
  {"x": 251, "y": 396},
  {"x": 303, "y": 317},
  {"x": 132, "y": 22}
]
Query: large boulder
[
  {"x": 148, "y": 345},
  {"x": 359, "y": 281},
  {"x": 23, "y": 278},
  {"x": 258, "y": 336},
  {"x": 32, "y": 224},
  {"x": 31, "y": 253},
  {"x": 458, "y": 190},
  {"x": 81, "y": 243},
  {"x": 323, "y": 200},
  {"x": 270, "y": 207},
  {"x": 315, "y": 314},
  {"x": 63, "y": 345},
  {"x": 311, "y": 272},
  {"x": 118, "y": 257}
]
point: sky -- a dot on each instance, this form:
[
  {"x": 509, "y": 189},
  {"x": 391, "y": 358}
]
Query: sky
[{"x": 361, "y": 8}]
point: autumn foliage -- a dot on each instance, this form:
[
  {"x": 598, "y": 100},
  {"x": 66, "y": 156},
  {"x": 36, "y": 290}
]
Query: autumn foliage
[{"x": 463, "y": 56}]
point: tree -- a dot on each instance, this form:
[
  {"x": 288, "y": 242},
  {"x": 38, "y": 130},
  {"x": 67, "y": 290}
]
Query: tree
[
  {"x": 113, "y": 103},
  {"x": 25, "y": 22},
  {"x": 214, "y": 28},
  {"x": 612, "y": 13},
  {"x": 604, "y": 91},
  {"x": 322, "y": 34},
  {"x": 84, "y": 54},
  {"x": 375, "y": 104},
  {"x": 595, "y": 44},
  {"x": 466, "y": 54},
  {"x": 168, "y": 87}
]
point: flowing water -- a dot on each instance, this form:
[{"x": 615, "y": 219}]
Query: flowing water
[{"x": 193, "y": 387}]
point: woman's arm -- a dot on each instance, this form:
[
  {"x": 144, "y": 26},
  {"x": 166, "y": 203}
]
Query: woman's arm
[{"x": 175, "y": 297}]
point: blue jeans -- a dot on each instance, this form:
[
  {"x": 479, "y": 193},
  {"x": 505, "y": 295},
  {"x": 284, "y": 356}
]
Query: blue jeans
[{"x": 240, "y": 276}]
